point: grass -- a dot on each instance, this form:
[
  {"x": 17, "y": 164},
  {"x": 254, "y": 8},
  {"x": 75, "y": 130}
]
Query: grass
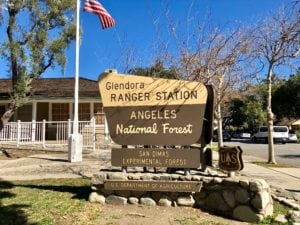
[
  {"x": 64, "y": 201},
  {"x": 213, "y": 147},
  {"x": 59, "y": 202},
  {"x": 46, "y": 202},
  {"x": 278, "y": 209}
]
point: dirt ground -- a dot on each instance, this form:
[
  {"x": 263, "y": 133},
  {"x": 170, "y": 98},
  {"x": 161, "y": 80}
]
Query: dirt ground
[
  {"x": 154, "y": 215},
  {"x": 113, "y": 215}
]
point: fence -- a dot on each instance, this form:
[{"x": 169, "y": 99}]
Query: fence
[{"x": 51, "y": 133}]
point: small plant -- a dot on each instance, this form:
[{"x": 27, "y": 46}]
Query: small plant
[{"x": 278, "y": 209}]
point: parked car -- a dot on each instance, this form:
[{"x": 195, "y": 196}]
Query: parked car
[
  {"x": 292, "y": 137},
  {"x": 245, "y": 135},
  {"x": 225, "y": 133},
  {"x": 236, "y": 134},
  {"x": 280, "y": 134},
  {"x": 241, "y": 134}
]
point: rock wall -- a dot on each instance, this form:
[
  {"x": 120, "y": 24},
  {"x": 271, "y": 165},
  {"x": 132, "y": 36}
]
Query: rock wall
[{"x": 243, "y": 199}]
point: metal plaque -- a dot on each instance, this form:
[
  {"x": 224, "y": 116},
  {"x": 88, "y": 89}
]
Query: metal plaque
[
  {"x": 172, "y": 158},
  {"x": 140, "y": 185},
  {"x": 230, "y": 158}
]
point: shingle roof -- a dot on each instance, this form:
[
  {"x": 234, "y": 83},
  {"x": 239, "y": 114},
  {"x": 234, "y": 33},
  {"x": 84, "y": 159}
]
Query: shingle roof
[{"x": 55, "y": 88}]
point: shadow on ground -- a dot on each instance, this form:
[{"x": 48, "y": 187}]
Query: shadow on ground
[
  {"x": 13, "y": 214},
  {"x": 49, "y": 159},
  {"x": 79, "y": 192},
  {"x": 290, "y": 156}
]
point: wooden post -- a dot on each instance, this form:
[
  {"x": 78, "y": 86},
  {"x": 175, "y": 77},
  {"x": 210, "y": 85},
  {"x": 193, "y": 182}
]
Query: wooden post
[
  {"x": 124, "y": 168},
  {"x": 33, "y": 130},
  {"x": 93, "y": 122},
  {"x": 69, "y": 128},
  {"x": 18, "y": 133},
  {"x": 231, "y": 174},
  {"x": 44, "y": 134}
]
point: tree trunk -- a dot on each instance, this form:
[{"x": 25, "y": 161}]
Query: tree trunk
[
  {"x": 6, "y": 117},
  {"x": 270, "y": 118},
  {"x": 12, "y": 48},
  {"x": 219, "y": 114},
  {"x": 14, "y": 67},
  {"x": 220, "y": 129}
]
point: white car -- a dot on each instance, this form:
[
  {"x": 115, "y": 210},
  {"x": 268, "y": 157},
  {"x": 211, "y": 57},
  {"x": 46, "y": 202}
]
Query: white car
[
  {"x": 280, "y": 134},
  {"x": 292, "y": 137},
  {"x": 245, "y": 135}
]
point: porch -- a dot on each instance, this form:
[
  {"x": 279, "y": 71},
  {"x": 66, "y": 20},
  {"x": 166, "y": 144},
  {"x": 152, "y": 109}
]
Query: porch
[{"x": 52, "y": 135}]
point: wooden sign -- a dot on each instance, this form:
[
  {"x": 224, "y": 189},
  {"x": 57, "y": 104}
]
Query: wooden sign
[
  {"x": 230, "y": 158},
  {"x": 171, "y": 158},
  {"x": 141, "y": 185},
  {"x": 152, "y": 111}
]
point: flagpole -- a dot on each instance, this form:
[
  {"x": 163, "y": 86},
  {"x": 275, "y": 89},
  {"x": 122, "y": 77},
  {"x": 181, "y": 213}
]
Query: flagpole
[
  {"x": 76, "y": 89},
  {"x": 75, "y": 140}
]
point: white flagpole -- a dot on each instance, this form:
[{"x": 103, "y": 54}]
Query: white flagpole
[
  {"x": 76, "y": 88},
  {"x": 75, "y": 141}
]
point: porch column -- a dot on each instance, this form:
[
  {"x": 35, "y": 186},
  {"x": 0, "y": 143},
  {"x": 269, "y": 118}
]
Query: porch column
[
  {"x": 71, "y": 110},
  {"x": 33, "y": 118},
  {"x": 92, "y": 110},
  {"x": 34, "y": 109}
]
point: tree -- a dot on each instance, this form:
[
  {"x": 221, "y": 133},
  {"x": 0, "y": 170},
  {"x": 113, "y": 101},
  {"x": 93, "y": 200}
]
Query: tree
[
  {"x": 38, "y": 32},
  {"x": 207, "y": 53},
  {"x": 236, "y": 116},
  {"x": 215, "y": 62},
  {"x": 286, "y": 99},
  {"x": 247, "y": 112},
  {"x": 156, "y": 70},
  {"x": 275, "y": 42},
  {"x": 253, "y": 113}
]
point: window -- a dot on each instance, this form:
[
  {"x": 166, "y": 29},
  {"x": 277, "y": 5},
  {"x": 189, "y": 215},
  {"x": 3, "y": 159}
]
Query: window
[
  {"x": 280, "y": 129},
  {"x": 99, "y": 114},
  {"x": 84, "y": 111},
  {"x": 263, "y": 129},
  {"x": 60, "y": 111}
]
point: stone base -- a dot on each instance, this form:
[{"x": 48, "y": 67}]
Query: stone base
[
  {"x": 247, "y": 200},
  {"x": 75, "y": 148}
]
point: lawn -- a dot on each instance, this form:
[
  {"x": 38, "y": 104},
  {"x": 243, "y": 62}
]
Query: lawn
[
  {"x": 65, "y": 202},
  {"x": 45, "y": 202}
]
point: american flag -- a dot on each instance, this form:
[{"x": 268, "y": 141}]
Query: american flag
[{"x": 95, "y": 7}]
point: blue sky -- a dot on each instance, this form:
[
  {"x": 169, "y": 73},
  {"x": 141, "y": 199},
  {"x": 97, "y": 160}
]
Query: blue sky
[{"x": 135, "y": 30}]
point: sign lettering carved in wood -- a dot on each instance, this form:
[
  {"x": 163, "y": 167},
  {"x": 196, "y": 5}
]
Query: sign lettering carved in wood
[
  {"x": 172, "y": 158},
  {"x": 169, "y": 186},
  {"x": 152, "y": 111}
]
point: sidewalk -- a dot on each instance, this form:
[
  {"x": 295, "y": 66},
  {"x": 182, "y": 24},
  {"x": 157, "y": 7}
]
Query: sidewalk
[
  {"x": 52, "y": 165},
  {"x": 285, "y": 178},
  {"x": 282, "y": 178}
]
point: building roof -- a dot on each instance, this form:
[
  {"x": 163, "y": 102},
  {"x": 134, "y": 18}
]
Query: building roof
[
  {"x": 296, "y": 123},
  {"x": 55, "y": 88}
]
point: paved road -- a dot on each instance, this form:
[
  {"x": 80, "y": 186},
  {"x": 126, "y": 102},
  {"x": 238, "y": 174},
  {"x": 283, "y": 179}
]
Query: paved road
[{"x": 288, "y": 154}]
